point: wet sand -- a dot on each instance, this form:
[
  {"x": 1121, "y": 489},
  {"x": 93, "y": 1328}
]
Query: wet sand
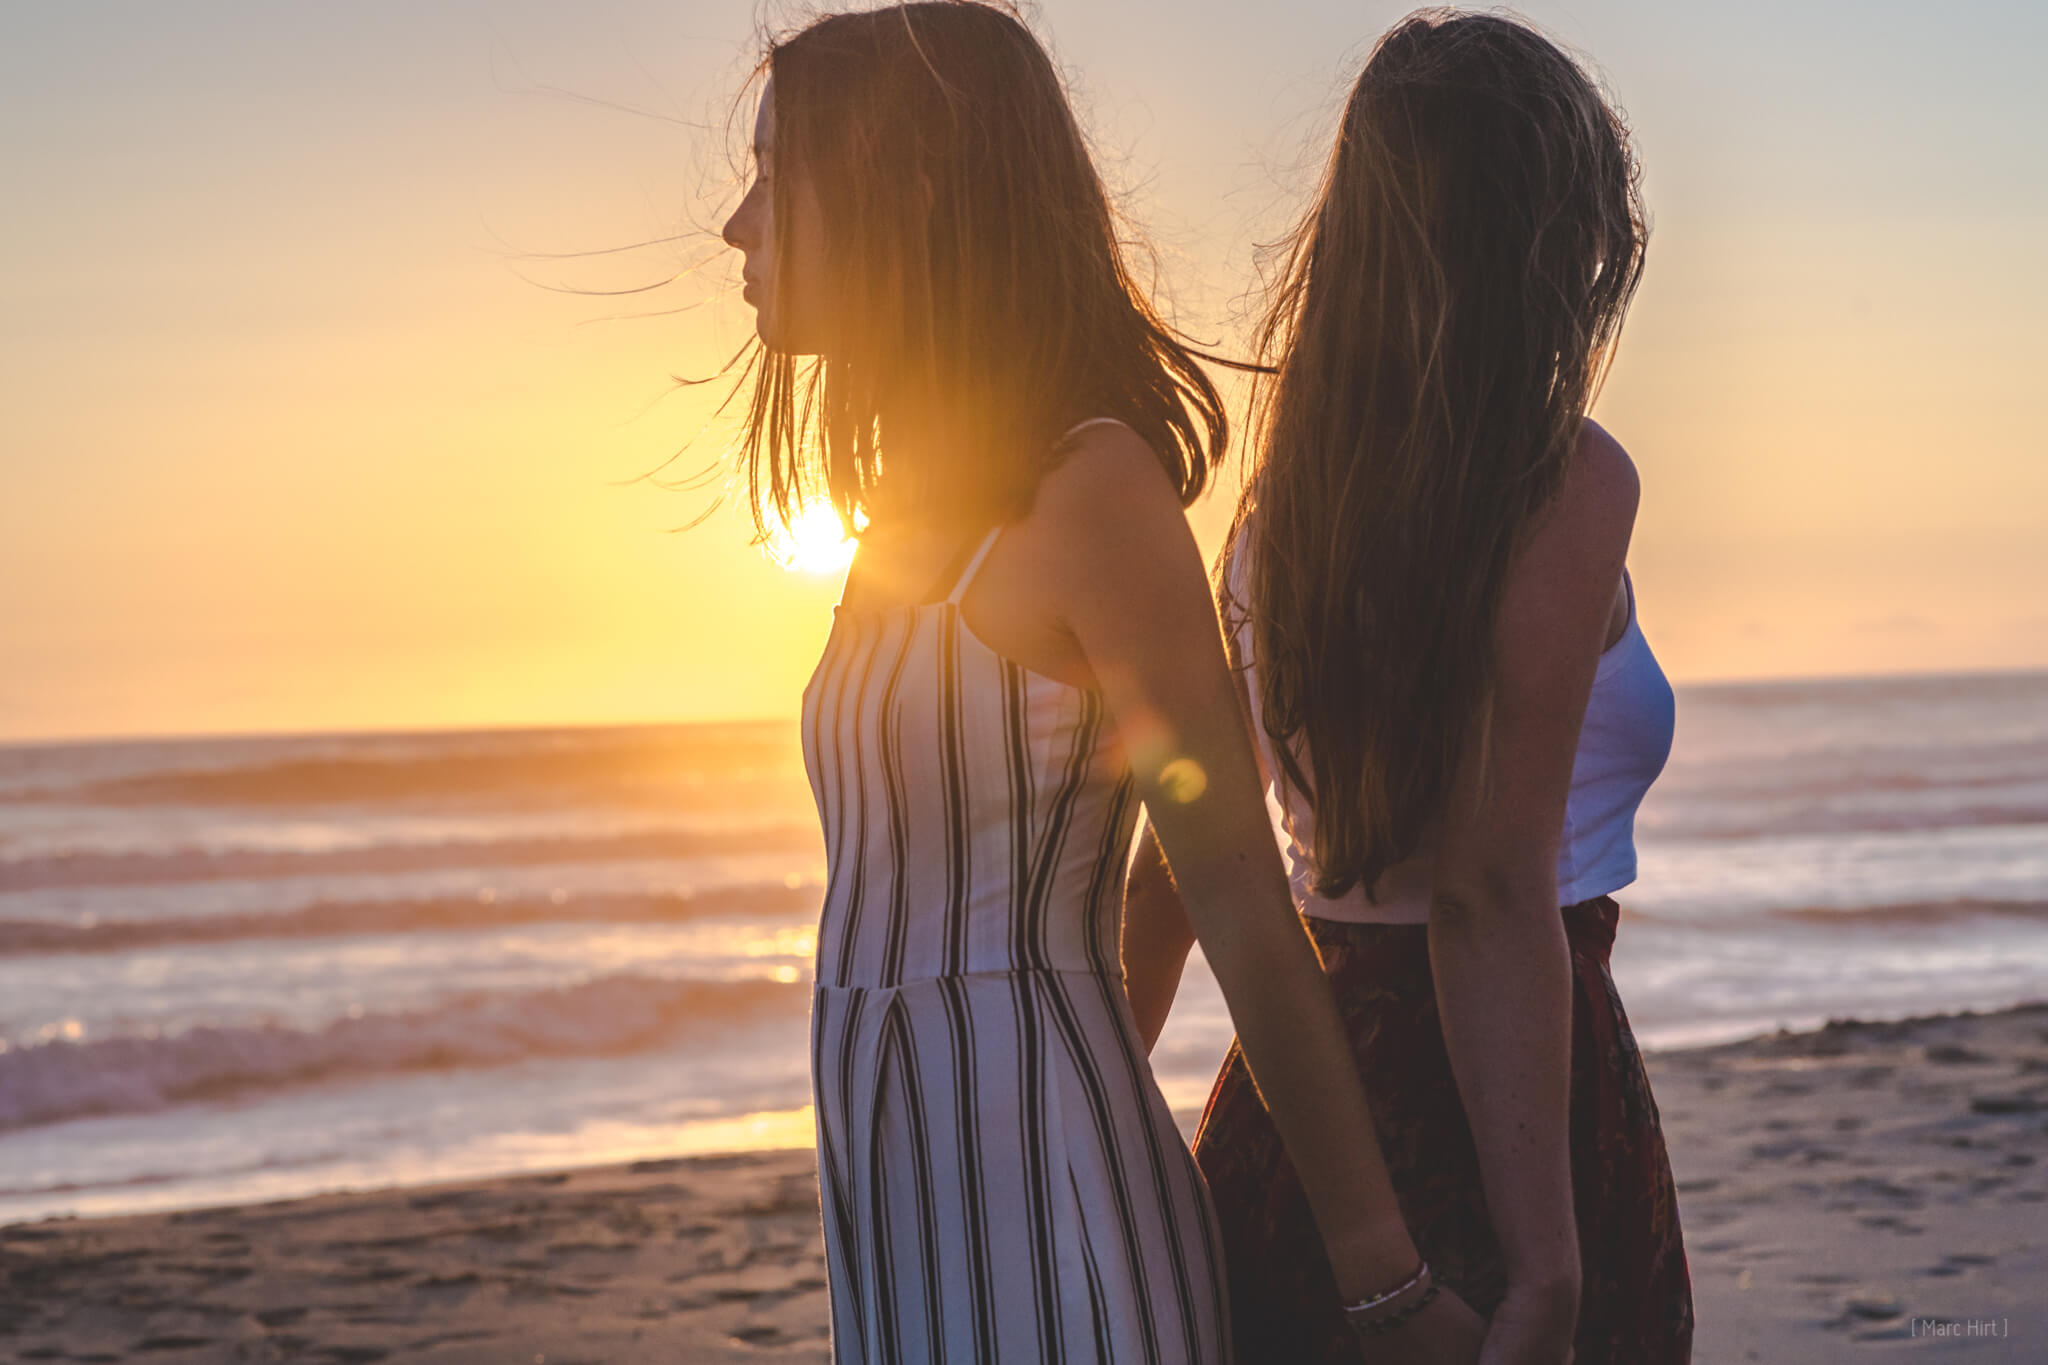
[{"x": 1847, "y": 1194}]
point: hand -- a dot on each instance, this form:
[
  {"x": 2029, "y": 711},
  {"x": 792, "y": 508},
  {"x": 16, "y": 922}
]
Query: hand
[
  {"x": 1533, "y": 1326},
  {"x": 1447, "y": 1332}
]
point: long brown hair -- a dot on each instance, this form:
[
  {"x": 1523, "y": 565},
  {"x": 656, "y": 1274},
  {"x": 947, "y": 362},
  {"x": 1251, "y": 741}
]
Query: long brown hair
[
  {"x": 974, "y": 255},
  {"x": 1439, "y": 324}
]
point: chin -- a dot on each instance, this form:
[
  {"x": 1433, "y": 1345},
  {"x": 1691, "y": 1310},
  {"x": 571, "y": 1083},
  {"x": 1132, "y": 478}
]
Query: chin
[
  {"x": 771, "y": 334},
  {"x": 782, "y": 345}
]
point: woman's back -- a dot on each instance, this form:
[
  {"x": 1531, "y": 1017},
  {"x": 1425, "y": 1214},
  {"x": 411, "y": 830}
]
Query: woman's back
[{"x": 1623, "y": 744}]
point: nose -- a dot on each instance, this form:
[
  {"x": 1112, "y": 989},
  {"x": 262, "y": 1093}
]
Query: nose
[{"x": 740, "y": 231}]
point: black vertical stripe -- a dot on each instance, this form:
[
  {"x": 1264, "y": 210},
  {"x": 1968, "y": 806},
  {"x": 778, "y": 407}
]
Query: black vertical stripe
[
  {"x": 967, "y": 1127},
  {"x": 930, "y": 1234},
  {"x": 849, "y": 1072},
  {"x": 1052, "y": 839},
  {"x": 1104, "y": 1350},
  {"x": 883, "y": 1270},
  {"x": 1100, "y": 929},
  {"x": 838, "y": 863},
  {"x": 1045, "y": 1261},
  {"x": 858, "y": 805},
  {"x": 889, "y": 755},
  {"x": 830, "y": 781},
  {"x": 1137, "y": 1072},
  {"x": 1017, "y": 757},
  {"x": 959, "y": 845},
  {"x": 836, "y": 1198},
  {"x": 1133, "y": 1234}
]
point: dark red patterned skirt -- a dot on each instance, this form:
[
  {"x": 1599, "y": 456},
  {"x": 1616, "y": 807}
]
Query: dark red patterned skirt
[{"x": 1636, "y": 1307}]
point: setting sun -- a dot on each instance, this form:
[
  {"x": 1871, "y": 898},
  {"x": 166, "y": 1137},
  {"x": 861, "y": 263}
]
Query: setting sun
[{"x": 817, "y": 543}]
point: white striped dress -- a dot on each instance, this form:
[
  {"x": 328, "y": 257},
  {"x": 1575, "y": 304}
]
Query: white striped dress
[{"x": 1000, "y": 1177}]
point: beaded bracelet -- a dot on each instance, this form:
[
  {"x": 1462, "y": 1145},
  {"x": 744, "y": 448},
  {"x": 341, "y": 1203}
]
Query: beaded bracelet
[
  {"x": 1372, "y": 1327},
  {"x": 1367, "y": 1305},
  {"x": 1366, "y": 1317}
]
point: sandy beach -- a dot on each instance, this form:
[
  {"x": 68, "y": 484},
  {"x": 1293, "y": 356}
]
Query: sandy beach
[{"x": 1862, "y": 1189}]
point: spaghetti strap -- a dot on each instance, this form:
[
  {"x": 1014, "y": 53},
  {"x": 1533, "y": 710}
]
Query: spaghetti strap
[
  {"x": 966, "y": 577},
  {"x": 1068, "y": 434}
]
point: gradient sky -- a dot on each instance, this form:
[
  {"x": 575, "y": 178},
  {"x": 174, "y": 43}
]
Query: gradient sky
[{"x": 288, "y": 440}]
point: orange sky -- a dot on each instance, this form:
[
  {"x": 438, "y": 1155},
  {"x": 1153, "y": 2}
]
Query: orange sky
[{"x": 289, "y": 444}]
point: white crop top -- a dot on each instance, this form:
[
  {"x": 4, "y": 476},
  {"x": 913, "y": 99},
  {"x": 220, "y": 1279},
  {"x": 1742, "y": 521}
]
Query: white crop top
[{"x": 1623, "y": 745}]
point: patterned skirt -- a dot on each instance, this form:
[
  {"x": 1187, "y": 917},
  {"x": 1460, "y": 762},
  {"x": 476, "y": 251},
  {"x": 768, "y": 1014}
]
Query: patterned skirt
[{"x": 1636, "y": 1306}]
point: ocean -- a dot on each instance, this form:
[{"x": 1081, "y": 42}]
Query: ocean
[{"x": 244, "y": 969}]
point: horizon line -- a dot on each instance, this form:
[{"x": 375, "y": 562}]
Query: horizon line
[{"x": 401, "y": 731}]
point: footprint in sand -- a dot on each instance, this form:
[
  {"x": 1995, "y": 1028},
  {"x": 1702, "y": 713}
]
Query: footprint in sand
[
  {"x": 1959, "y": 1263},
  {"x": 466, "y": 1280},
  {"x": 1869, "y": 1306}
]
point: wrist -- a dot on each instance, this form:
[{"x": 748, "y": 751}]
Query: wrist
[
  {"x": 1391, "y": 1310},
  {"x": 1548, "y": 1286},
  {"x": 1370, "y": 1260},
  {"x": 1548, "y": 1307}
]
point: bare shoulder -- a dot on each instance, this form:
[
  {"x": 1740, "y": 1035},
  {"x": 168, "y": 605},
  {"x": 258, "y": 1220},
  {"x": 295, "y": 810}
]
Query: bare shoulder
[
  {"x": 1107, "y": 533},
  {"x": 1597, "y": 501},
  {"x": 1603, "y": 470},
  {"x": 1107, "y": 508},
  {"x": 1108, "y": 470}
]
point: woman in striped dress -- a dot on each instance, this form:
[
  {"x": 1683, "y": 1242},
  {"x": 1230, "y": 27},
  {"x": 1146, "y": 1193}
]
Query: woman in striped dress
[
  {"x": 1026, "y": 653},
  {"x": 1456, "y": 706}
]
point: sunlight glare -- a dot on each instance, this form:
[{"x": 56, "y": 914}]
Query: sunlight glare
[{"x": 815, "y": 544}]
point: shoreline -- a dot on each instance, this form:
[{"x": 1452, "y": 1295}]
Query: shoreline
[{"x": 1865, "y": 1185}]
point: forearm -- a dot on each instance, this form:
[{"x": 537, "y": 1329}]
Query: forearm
[
  {"x": 1293, "y": 1042},
  {"x": 1156, "y": 940},
  {"x": 1502, "y": 969}
]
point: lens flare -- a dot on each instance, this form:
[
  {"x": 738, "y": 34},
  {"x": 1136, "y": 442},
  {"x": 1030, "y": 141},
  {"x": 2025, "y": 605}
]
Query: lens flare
[{"x": 1184, "y": 781}]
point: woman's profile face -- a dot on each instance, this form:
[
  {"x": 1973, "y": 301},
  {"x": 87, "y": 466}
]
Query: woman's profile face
[{"x": 787, "y": 302}]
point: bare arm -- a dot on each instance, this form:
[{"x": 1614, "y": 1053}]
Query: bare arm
[
  {"x": 1128, "y": 582},
  {"x": 1156, "y": 932},
  {"x": 1156, "y": 926},
  {"x": 1156, "y": 938},
  {"x": 1498, "y": 953}
]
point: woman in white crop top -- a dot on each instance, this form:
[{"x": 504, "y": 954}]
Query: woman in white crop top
[
  {"x": 1623, "y": 743},
  {"x": 1454, "y": 702}
]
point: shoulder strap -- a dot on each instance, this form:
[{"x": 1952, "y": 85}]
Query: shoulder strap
[
  {"x": 988, "y": 542},
  {"x": 966, "y": 577},
  {"x": 1078, "y": 427}
]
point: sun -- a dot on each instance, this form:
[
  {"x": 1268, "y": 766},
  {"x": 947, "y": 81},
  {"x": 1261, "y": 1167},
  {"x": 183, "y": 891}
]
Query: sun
[{"x": 815, "y": 543}]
